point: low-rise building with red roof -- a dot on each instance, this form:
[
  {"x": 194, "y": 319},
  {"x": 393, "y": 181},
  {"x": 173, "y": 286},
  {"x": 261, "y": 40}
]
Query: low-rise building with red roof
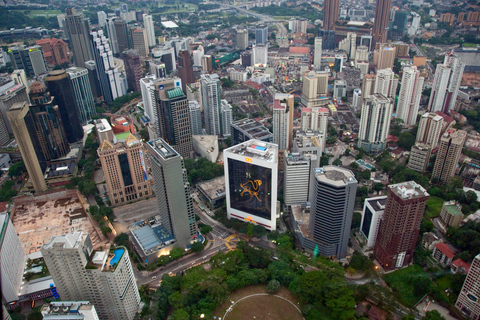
[
  {"x": 459, "y": 266},
  {"x": 443, "y": 254}
]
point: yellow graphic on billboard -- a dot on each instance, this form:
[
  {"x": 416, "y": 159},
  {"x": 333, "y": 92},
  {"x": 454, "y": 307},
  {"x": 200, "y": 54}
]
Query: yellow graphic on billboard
[{"x": 252, "y": 187}]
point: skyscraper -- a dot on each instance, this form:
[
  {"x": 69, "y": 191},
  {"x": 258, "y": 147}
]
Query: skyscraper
[
  {"x": 16, "y": 117},
  {"x": 251, "y": 175},
  {"x": 400, "y": 224},
  {"x": 375, "y": 123},
  {"x": 368, "y": 86},
  {"x": 446, "y": 84},
  {"x": 133, "y": 69},
  {"x": 386, "y": 83},
  {"x": 59, "y": 86},
  {"x": 419, "y": 157},
  {"x": 429, "y": 129},
  {"x": 173, "y": 192},
  {"x": 195, "y": 117},
  {"x": 150, "y": 29},
  {"x": 12, "y": 260},
  {"x": 468, "y": 300},
  {"x": 103, "y": 277},
  {"x": 211, "y": 95},
  {"x": 226, "y": 118},
  {"x": 315, "y": 88},
  {"x": 372, "y": 214},
  {"x": 123, "y": 163},
  {"x": 147, "y": 88},
  {"x": 102, "y": 18},
  {"x": 317, "y": 56},
  {"x": 82, "y": 93},
  {"x": 449, "y": 152},
  {"x": 332, "y": 203},
  {"x": 283, "y": 109},
  {"x": 140, "y": 41},
  {"x": 330, "y": 13},
  {"x": 380, "y": 25},
  {"x": 30, "y": 59},
  {"x": 242, "y": 39},
  {"x": 315, "y": 119},
  {"x": 261, "y": 35},
  {"x": 409, "y": 96},
  {"x": 173, "y": 117},
  {"x": 349, "y": 45},
  {"x": 78, "y": 29},
  {"x": 185, "y": 68},
  {"x": 122, "y": 35},
  {"x": 112, "y": 35},
  {"x": 11, "y": 93},
  {"x": 384, "y": 56}
]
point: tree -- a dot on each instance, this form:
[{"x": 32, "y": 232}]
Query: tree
[
  {"x": 176, "y": 253},
  {"x": 176, "y": 300},
  {"x": 17, "y": 169},
  {"x": 197, "y": 247},
  {"x": 324, "y": 160},
  {"x": 250, "y": 230},
  {"x": 406, "y": 140},
  {"x": 144, "y": 134},
  {"x": 356, "y": 221},
  {"x": 181, "y": 314},
  {"x": 433, "y": 315},
  {"x": 339, "y": 300},
  {"x": 205, "y": 229},
  {"x": 347, "y": 152},
  {"x": 273, "y": 286},
  {"x": 470, "y": 196},
  {"x": 337, "y": 162}
]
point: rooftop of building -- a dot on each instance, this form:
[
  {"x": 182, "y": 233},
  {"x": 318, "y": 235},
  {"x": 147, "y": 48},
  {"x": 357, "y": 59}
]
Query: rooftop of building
[
  {"x": 66, "y": 241},
  {"x": 254, "y": 128},
  {"x": 446, "y": 250},
  {"x": 162, "y": 148},
  {"x": 452, "y": 208},
  {"x": 105, "y": 260},
  {"x": 9, "y": 88},
  {"x": 408, "y": 190},
  {"x": 377, "y": 203},
  {"x": 461, "y": 264},
  {"x": 302, "y": 217},
  {"x": 256, "y": 149},
  {"x": 151, "y": 235},
  {"x": 102, "y": 125},
  {"x": 213, "y": 189},
  {"x": 297, "y": 158},
  {"x": 207, "y": 141},
  {"x": 36, "y": 286},
  {"x": 55, "y": 309},
  {"x": 307, "y": 139},
  {"x": 456, "y": 135},
  {"x": 336, "y": 176}
]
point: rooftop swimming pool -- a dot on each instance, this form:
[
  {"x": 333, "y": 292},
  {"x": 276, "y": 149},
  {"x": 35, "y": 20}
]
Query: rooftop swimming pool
[{"x": 117, "y": 254}]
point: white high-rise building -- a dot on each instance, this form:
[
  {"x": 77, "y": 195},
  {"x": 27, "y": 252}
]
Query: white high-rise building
[
  {"x": 357, "y": 97},
  {"x": 296, "y": 177},
  {"x": 226, "y": 118},
  {"x": 283, "y": 109},
  {"x": 415, "y": 24},
  {"x": 375, "y": 123},
  {"x": 211, "y": 95},
  {"x": 315, "y": 119},
  {"x": 150, "y": 29},
  {"x": 195, "y": 117},
  {"x": 260, "y": 54},
  {"x": 112, "y": 35},
  {"x": 315, "y": 89},
  {"x": 361, "y": 53},
  {"x": 339, "y": 89},
  {"x": 251, "y": 178},
  {"x": 198, "y": 56},
  {"x": 147, "y": 88},
  {"x": 372, "y": 214},
  {"x": 368, "y": 86},
  {"x": 103, "y": 277},
  {"x": 317, "y": 57},
  {"x": 102, "y": 18},
  {"x": 12, "y": 260},
  {"x": 446, "y": 84},
  {"x": 410, "y": 95},
  {"x": 429, "y": 129},
  {"x": 349, "y": 45},
  {"x": 386, "y": 83}
]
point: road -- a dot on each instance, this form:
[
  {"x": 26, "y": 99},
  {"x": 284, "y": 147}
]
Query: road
[{"x": 338, "y": 152}]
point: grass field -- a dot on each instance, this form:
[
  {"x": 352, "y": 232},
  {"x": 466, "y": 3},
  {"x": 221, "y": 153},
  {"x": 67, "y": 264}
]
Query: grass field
[
  {"x": 266, "y": 307},
  {"x": 404, "y": 281},
  {"x": 41, "y": 12},
  {"x": 175, "y": 8},
  {"x": 434, "y": 206}
]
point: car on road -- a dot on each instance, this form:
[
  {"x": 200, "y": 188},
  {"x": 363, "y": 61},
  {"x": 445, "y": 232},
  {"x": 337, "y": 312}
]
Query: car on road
[{"x": 154, "y": 277}]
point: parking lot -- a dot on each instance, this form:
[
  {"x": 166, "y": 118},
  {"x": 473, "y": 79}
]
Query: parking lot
[{"x": 127, "y": 215}]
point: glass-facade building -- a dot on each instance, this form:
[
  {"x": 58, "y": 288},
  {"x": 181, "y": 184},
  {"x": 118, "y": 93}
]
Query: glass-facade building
[
  {"x": 82, "y": 93},
  {"x": 372, "y": 213}
]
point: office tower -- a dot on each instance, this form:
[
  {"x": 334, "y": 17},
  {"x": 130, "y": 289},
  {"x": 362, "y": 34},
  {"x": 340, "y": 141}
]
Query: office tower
[
  {"x": 61, "y": 23},
  {"x": 11, "y": 93},
  {"x": 332, "y": 202},
  {"x": 339, "y": 89},
  {"x": 242, "y": 39},
  {"x": 19, "y": 77},
  {"x": 112, "y": 35},
  {"x": 419, "y": 157},
  {"x": 93, "y": 78},
  {"x": 103, "y": 277},
  {"x": 349, "y": 45},
  {"x": 122, "y": 124},
  {"x": 446, "y": 84},
  {"x": 78, "y": 29},
  {"x": 58, "y": 84},
  {"x": 147, "y": 88},
  {"x": 111, "y": 79},
  {"x": 400, "y": 224},
  {"x": 317, "y": 56},
  {"x": 157, "y": 69},
  {"x": 368, "y": 87},
  {"x": 330, "y": 14},
  {"x": 338, "y": 66},
  {"x": 467, "y": 301},
  {"x": 82, "y": 93},
  {"x": 380, "y": 25},
  {"x": 165, "y": 54},
  {"x": 315, "y": 119},
  {"x": 211, "y": 95},
  {"x": 12, "y": 260},
  {"x": 102, "y": 18},
  {"x": 283, "y": 109},
  {"x": 296, "y": 176},
  {"x": 449, "y": 152},
  {"x": 375, "y": 123},
  {"x": 104, "y": 130},
  {"x": 207, "y": 64},
  {"x": 66, "y": 310},
  {"x": 16, "y": 117},
  {"x": 140, "y": 41},
  {"x": 386, "y": 83},
  {"x": 150, "y": 29},
  {"x": 226, "y": 118},
  {"x": 133, "y": 69},
  {"x": 124, "y": 166},
  {"x": 198, "y": 56},
  {"x": 55, "y": 51},
  {"x": 399, "y": 24},
  {"x": 129, "y": 16},
  {"x": 357, "y": 96},
  {"x": 251, "y": 175},
  {"x": 45, "y": 125},
  {"x": 361, "y": 54},
  {"x": 415, "y": 24},
  {"x": 259, "y": 54},
  {"x": 429, "y": 129},
  {"x": 315, "y": 88},
  {"x": 173, "y": 192},
  {"x": 410, "y": 95},
  {"x": 173, "y": 116},
  {"x": 261, "y": 35},
  {"x": 4, "y": 136},
  {"x": 384, "y": 56},
  {"x": 185, "y": 68},
  {"x": 248, "y": 129},
  {"x": 373, "y": 209},
  {"x": 122, "y": 35},
  {"x": 30, "y": 59},
  {"x": 195, "y": 117}
]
